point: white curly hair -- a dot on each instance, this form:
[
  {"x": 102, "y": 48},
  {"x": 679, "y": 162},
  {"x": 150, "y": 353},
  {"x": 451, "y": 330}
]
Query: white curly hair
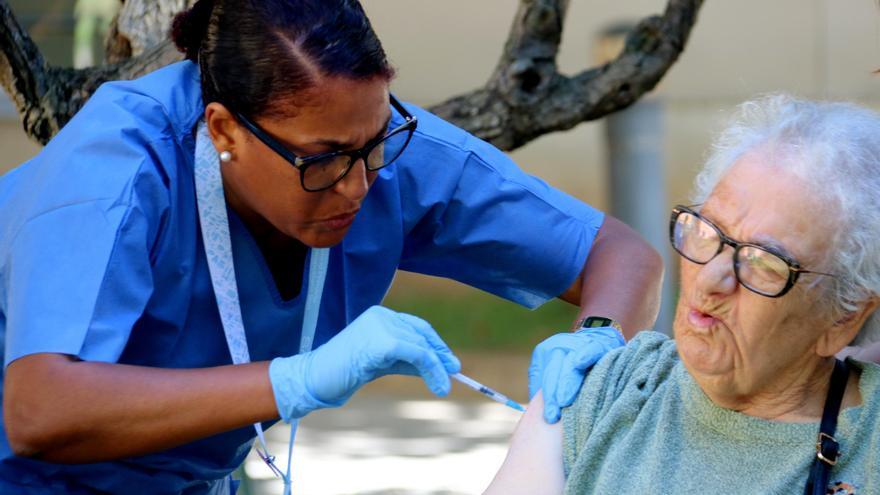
[{"x": 835, "y": 147}]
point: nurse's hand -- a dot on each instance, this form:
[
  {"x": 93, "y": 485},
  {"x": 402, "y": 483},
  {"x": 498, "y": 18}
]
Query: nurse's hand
[
  {"x": 560, "y": 363},
  {"x": 379, "y": 342}
]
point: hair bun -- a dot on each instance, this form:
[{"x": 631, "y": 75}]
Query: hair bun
[{"x": 189, "y": 27}]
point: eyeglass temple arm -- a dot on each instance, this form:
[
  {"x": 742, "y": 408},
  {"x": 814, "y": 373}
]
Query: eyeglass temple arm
[
  {"x": 395, "y": 103},
  {"x": 802, "y": 270},
  {"x": 261, "y": 135}
]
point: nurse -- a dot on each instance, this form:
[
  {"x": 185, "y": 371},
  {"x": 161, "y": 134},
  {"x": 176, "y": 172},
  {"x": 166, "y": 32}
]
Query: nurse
[{"x": 277, "y": 149}]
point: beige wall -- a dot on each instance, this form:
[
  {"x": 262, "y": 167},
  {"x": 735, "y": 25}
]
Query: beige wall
[
  {"x": 15, "y": 147},
  {"x": 739, "y": 48}
]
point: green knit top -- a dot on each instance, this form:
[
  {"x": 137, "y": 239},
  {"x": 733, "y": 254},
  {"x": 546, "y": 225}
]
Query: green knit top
[{"x": 641, "y": 425}]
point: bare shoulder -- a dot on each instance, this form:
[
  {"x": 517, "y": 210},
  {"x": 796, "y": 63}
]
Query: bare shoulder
[{"x": 534, "y": 461}]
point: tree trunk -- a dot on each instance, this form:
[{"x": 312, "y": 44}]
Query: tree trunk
[
  {"x": 146, "y": 23},
  {"x": 525, "y": 97},
  {"x": 47, "y": 97}
]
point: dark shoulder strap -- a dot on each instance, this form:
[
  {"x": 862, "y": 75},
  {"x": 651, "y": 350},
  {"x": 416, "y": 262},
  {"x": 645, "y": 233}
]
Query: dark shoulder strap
[{"x": 827, "y": 448}]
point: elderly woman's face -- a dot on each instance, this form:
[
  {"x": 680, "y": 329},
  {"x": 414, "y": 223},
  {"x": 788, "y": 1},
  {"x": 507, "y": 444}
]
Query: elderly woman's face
[{"x": 734, "y": 341}]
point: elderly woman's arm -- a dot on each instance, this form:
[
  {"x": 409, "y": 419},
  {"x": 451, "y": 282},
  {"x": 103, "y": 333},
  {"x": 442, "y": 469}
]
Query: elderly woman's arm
[{"x": 534, "y": 461}]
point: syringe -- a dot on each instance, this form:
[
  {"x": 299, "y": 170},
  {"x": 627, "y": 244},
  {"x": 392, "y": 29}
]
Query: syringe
[{"x": 488, "y": 392}]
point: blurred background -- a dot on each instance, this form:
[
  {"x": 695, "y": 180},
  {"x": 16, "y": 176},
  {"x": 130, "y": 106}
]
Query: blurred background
[{"x": 394, "y": 437}]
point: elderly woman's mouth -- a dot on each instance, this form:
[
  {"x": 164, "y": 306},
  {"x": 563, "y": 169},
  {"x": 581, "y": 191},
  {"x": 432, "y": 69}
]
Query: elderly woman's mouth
[{"x": 701, "y": 320}]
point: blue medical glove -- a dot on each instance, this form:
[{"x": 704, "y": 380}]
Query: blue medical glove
[
  {"x": 560, "y": 363},
  {"x": 379, "y": 342}
]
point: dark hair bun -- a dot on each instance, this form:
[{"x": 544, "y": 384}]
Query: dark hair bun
[{"x": 189, "y": 27}]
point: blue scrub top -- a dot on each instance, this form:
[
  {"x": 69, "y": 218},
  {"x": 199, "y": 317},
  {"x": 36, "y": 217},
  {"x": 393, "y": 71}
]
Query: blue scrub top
[{"x": 101, "y": 257}]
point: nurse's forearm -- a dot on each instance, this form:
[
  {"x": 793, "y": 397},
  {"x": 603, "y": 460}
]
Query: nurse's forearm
[
  {"x": 62, "y": 410},
  {"x": 621, "y": 279}
]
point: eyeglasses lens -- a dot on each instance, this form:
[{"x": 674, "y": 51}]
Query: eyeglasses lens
[
  {"x": 324, "y": 173},
  {"x": 695, "y": 239},
  {"x": 388, "y": 150},
  {"x": 758, "y": 269},
  {"x": 761, "y": 270}
]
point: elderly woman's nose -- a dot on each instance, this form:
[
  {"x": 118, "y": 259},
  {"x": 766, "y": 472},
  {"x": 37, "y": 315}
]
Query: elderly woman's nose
[{"x": 717, "y": 276}]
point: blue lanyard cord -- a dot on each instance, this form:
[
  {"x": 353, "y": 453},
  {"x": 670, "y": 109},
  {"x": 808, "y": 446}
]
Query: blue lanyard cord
[
  {"x": 320, "y": 259},
  {"x": 218, "y": 250}
]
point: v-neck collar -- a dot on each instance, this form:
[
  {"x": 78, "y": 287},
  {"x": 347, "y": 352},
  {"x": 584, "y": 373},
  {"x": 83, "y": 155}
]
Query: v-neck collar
[{"x": 238, "y": 228}]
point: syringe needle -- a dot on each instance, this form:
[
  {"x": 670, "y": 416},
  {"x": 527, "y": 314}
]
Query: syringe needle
[{"x": 488, "y": 392}]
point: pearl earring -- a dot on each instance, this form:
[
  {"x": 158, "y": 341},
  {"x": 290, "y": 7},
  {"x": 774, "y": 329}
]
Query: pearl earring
[{"x": 225, "y": 156}]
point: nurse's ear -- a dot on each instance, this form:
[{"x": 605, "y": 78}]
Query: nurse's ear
[{"x": 224, "y": 129}]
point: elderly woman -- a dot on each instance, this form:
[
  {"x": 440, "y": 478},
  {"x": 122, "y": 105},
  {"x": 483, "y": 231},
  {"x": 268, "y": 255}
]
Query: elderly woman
[{"x": 780, "y": 271}]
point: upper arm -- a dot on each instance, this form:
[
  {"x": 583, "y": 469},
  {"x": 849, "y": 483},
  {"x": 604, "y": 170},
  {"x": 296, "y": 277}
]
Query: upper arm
[
  {"x": 534, "y": 461},
  {"x": 623, "y": 244},
  {"x": 77, "y": 279},
  {"x": 484, "y": 222},
  {"x": 79, "y": 229}
]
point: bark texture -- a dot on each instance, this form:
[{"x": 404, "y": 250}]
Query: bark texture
[
  {"x": 47, "y": 97},
  {"x": 525, "y": 96}
]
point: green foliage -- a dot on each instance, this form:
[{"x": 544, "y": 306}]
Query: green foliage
[{"x": 474, "y": 320}]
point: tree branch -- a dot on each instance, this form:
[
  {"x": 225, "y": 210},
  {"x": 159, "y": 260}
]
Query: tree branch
[
  {"x": 528, "y": 63},
  {"x": 527, "y": 97},
  {"x": 23, "y": 72},
  {"x": 146, "y": 23},
  {"x": 47, "y": 97}
]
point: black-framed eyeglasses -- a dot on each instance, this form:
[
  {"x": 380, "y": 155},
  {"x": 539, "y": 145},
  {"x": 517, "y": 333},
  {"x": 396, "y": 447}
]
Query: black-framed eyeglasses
[
  {"x": 323, "y": 170},
  {"x": 757, "y": 268}
]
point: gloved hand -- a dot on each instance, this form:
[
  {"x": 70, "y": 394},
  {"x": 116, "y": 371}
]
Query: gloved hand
[
  {"x": 379, "y": 342},
  {"x": 560, "y": 363}
]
